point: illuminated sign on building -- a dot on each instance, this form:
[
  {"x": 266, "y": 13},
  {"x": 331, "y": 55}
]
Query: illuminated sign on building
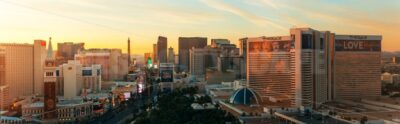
[
  {"x": 43, "y": 43},
  {"x": 140, "y": 88},
  {"x": 357, "y": 45},
  {"x": 269, "y": 46},
  {"x": 127, "y": 95},
  {"x": 149, "y": 61},
  {"x": 167, "y": 76},
  {"x": 166, "y": 72}
]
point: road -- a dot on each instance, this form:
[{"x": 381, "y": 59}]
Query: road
[{"x": 120, "y": 112}]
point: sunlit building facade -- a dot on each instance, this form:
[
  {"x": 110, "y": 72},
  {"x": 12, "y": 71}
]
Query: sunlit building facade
[
  {"x": 4, "y": 98},
  {"x": 21, "y": 69},
  {"x": 2, "y": 66},
  {"x": 114, "y": 64},
  {"x": 73, "y": 80},
  {"x": 21, "y": 65},
  {"x": 271, "y": 68},
  {"x": 356, "y": 67},
  {"x": 311, "y": 57},
  {"x": 39, "y": 57},
  {"x": 67, "y": 50},
  {"x": 311, "y": 67}
]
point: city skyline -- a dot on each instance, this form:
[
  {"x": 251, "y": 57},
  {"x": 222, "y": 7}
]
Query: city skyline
[
  {"x": 106, "y": 24},
  {"x": 199, "y": 61}
]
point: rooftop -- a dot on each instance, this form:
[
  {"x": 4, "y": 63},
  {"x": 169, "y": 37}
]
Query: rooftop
[
  {"x": 314, "y": 119},
  {"x": 355, "y": 110},
  {"x": 245, "y": 96},
  {"x": 197, "y": 106},
  {"x": 3, "y": 112},
  {"x": 388, "y": 115},
  {"x": 10, "y": 118},
  {"x": 394, "y": 101},
  {"x": 60, "y": 103}
]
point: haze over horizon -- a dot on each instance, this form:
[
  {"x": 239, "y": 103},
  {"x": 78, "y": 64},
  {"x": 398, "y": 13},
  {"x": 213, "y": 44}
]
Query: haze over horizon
[{"x": 108, "y": 24}]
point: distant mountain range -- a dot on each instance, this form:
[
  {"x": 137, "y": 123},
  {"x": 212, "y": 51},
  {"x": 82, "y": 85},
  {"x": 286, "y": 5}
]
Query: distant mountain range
[{"x": 386, "y": 54}]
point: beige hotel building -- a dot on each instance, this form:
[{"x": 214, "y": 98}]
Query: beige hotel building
[
  {"x": 21, "y": 69},
  {"x": 114, "y": 63}
]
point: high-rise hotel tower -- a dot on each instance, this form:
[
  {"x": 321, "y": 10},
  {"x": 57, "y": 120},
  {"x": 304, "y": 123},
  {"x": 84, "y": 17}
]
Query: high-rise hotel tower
[
  {"x": 356, "y": 66},
  {"x": 270, "y": 68},
  {"x": 311, "y": 67},
  {"x": 311, "y": 58}
]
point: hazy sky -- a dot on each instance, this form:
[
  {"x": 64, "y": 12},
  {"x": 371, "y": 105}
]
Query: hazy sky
[{"x": 109, "y": 23}]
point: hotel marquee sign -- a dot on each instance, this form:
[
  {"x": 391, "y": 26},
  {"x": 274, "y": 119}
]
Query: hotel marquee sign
[
  {"x": 357, "y": 45},
  {"x": 269, "y": 46}
]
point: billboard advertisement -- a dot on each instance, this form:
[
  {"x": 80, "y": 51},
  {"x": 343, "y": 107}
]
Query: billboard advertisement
[
  {"x": 269, "y": 46},
  {"x": 127, "y": 95},
  {"x": 358, "y": 45},
  {"x": 50, "y": 100},
  {"x": 167, "y": 75},
  {"x": 140, "y": 88}
]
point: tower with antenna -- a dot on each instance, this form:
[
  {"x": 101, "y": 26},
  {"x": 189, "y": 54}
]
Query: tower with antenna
[
  {"x": 129, "y": 52},
  {"x": 49, "y": 80},
  {"x": 50, "y": 50}
]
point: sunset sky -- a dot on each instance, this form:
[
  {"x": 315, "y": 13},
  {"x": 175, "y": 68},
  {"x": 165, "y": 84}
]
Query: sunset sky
[{"x": 109, "y": 23}]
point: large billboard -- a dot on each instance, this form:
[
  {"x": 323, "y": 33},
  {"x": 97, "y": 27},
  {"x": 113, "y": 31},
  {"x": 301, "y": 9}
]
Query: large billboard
[
  {"x": 269, "y": 46},
  {"x": 50, "y": 100},
  {"x": 167, "y": 75},
  {"x": 357, "y": 45}
]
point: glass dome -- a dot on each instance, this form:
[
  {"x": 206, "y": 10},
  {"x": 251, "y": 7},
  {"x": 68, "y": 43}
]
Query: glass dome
[{"x": 244, "y": 96}]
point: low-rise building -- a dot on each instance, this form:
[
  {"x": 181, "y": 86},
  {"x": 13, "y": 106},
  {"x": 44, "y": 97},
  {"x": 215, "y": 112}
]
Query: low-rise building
[
  {"x": 67, "y": 110},
  {"x": 10, "y": 120},
  {"x": 248, "y": 107},
  {"x": 387, "y": 78},
  {"x": 215, "y": 77},
  {"x": 81, "y": 80},
  {"x": 113, "y": 62}
]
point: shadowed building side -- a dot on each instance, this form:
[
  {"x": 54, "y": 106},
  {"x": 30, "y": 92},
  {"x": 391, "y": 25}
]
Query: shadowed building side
[{"x": 185, "y": 44}]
